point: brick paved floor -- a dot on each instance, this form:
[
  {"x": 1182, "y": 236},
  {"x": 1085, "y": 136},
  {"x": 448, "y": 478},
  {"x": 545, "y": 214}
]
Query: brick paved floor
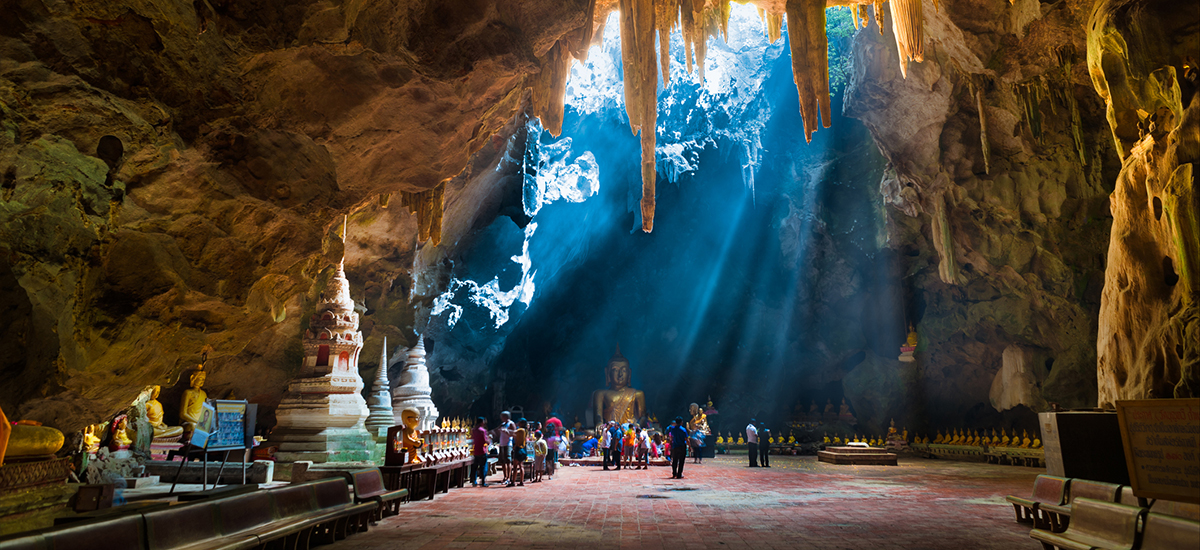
[{"x": 799, "y": 503}]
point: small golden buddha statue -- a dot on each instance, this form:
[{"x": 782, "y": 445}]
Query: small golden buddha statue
[
  {"x": 975, "y": 439},
  {"x": 939, "y": 437},
  {"x": 958, "y": 437},
  {"x": 1004, "y": 440},
  {"x": 826, "y": 440},
  {"x": 837, "y": 440},
  {"x": 154, "y": 413},
  {"x": 191, "y": 407},
  {"x": 741, "y": 440},
  {"x": 699, "y": 420},
  {"x": 1037, "y": 444},
  {"x": 720, "y": 440},
  {"x": 120, "y": 434},
  {"x": 619, "y": 402},
  {"x": 904, "y": 435},
  {"x": 91, "y": 442},
  {"x": 791, "y": 439},
  {"x": 1025, "y": 441},
  {"x": 410, "y": 417}
]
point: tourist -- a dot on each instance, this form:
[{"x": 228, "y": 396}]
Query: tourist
[
  {"x": 540, "y": 450},
  {"x": 629, "y": 445},
  {"x": 504, "y": 433},
  {"x": 752, "y": 442},
  {"x": 656, "y": 448},
  {"x": 553, "y": 449},
  {"x": 606, "y": 443},
  {"x": 764, "y": 448},
  {"x": 617, "y": 446},
  {"x": 643, "y": 448},
  {"x": 479, "y": 452},
  {"x": 519, "y": 454},
  {"x": 678, "y": 436},
  {"x": 587, "y": 448},
  {"x": 697, "y": 443}
]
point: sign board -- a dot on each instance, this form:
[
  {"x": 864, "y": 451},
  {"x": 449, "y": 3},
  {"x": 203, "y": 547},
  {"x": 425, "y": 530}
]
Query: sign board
[
  {"x": 231, "y": 426},
  {"x": 1162, "y": 447},
  {"x": 206, "y": 425}
]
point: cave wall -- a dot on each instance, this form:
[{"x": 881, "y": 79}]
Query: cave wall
[
  {"x": 175, "y": 175},
  {"x": 998, "y": 205}
]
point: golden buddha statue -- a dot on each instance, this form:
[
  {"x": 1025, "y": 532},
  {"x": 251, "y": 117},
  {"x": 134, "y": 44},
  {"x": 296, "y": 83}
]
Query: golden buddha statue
[
  {"x": 939, "y": 437},
  {"x": 720, "y": 440},
  {"x": 699, "y": 420},
  {"x": 826, "y": 440},
  {"x": 191, "y": 407},
  {"x": 91, "y": 442},
  {"x": 957, "y": 440},
  {"x": 741, "y": 440},
  {"x": 154, "y": 413},
  {"x": 912, "y": 339},
  {"x": 1004, "y": 440},
  {"x": 619, "y": 402},
  {"x": 975, "y": 439},
  {"x": 1037, "y": 444},
  {"x": 904, "y": 435},
  {"x": 120, "y": 434},
  {"x": 1025, "y": 442},
  {"x": 791, "y": 439},
  {"x": 27, "y": 438},
  {"x": 410, "y": 417}
]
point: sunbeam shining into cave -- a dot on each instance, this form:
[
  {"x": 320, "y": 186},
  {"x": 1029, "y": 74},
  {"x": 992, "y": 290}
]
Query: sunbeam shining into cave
[{"x": 755, "y": 277}]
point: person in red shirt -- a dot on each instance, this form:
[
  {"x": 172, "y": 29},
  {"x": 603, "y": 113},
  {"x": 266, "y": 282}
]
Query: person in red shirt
[{"x": 479, "y": 451}]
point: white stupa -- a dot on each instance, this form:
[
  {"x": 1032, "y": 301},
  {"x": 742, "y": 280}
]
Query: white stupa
[
  {"x": 380, "y": 402},
  {"x": 321, "y": 416},
  {"x": 414, "y": 390}
]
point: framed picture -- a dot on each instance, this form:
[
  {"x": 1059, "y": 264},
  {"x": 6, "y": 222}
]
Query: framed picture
[{"x": 230, "y": 430}]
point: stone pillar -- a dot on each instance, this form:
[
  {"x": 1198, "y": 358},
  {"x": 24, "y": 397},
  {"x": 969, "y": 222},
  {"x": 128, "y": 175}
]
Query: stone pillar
[{"x": 414, "y": 390}]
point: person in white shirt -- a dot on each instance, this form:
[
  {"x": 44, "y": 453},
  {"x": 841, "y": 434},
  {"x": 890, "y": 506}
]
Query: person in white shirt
[
  {"x": 606, "y": 442},
  {"x": 752, "y": 442},
  {"x": 504, "y": 437}
]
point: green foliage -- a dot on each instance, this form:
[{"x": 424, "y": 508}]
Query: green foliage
[{"x": 839, "y": 27}]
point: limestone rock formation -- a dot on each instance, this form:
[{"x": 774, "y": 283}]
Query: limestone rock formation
[{"x": 1149, "y": 339}]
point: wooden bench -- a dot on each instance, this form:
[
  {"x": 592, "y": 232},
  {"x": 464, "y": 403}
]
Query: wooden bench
[
  {"x": 1163, "y": 532},
  {"x": 369, "y": 487},
  {"x": 136, "y": 507},
  {"x": 220, "y": 492},
  {"x": 1095, "y": 524},
  {"x": 319, "y": 509},
  {"x": 1047, "y": 489},
  {"x": 117, "y": 533},
  {"x": 1059, "y": 515}
]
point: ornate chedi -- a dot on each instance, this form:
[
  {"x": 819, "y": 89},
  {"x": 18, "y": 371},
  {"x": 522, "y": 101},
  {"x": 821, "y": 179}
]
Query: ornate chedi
[
  {"x": 379, "y": 404},
  {"x": 414, "y": 390},
  {"x": 321, "y": 416}
]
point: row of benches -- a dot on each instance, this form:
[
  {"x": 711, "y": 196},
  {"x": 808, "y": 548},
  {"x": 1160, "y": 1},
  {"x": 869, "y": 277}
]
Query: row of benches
[
  {"x": 292, "y": 517},
  {"x": 1071, "y": 514}
]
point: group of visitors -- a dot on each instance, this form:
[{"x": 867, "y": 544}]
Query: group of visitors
[
  {"x": 513, "y": 443},
  {"x": 758, "y": 453}
]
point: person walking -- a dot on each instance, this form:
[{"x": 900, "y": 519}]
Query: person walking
[
  {"x": 764, "y": 448},
  {"x": 643, "y": 448},
  {"x": 479, "y": 452},
  {"x": 679, "y": 444},
  {"x": 752, "y": 442}
]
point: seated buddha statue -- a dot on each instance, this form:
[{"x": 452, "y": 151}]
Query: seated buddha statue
[
  {"x": 120, "y": 434},
  {"x": 844, "y": 414},
  {"x": 939, "y": 437},
  {"x": 154, "y": 413},
  {"x": 826, "y": 440},
  {"x": 957, "y": 439},
  {"x": 741, "y": 440},
  {"x": 27, "y": 438},
  {"x": 410, "y": 417},
  {"x": 1025, "y": 442},
  {"x": 1036, "y": 444},
  {"x": 91, "y": 442},
  {"x": 191, "y": 407},
  {"x": 699, "y": 420},
  {"x": 619, "y": 402},
  {"x": 791, "y": 439},
  {"x": 975, "y": 439},
  {"x": 720, "y": 440},
  {"x": 1004, "y": 440}
]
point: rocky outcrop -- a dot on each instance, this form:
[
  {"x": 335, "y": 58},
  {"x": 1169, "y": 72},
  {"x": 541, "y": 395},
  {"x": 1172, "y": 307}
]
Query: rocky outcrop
[{"x": 1149, "y": 339}]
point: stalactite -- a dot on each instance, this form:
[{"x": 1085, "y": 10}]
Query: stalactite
[
  {"x": 1030, "y": 96},
  {"x": 983, "y": 127},
  {"x": 774, "y": 23},
  {"x": 582, "y": 40},
  {"x": 878, "y": 9},
  {"x": 725, "y": 11},
  {"x": 640, "y": 63},
  {"x": 666, "y": 15},
  {"x": 908, "y": 24},
  {"x": 943, "y": 242},
  {"x": 810, "y": 61},
  {"x": 550, "y": 87},
  {"x": 427, "y": 205}
]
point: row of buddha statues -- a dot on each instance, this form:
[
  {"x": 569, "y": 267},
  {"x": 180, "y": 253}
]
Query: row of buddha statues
[
  {"x": 447, "y": 441},
  {"x": 831, "y": 414},
  {"x": 973, "y": 439}
]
